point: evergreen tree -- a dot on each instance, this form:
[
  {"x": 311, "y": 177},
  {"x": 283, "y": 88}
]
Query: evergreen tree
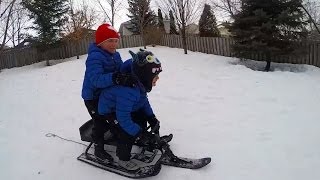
[
  {"x": 140, "y": 15},
  {"x": 48, "y": 16},
  {"x": 173, "y": 27},
  {"x": 207, "y": 23},
  {"x": 268, "y": 27},
  {"x": 160, "y": 21}
]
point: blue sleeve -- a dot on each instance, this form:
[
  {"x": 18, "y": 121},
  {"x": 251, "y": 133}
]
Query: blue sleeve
[
  {"x": 96, "y": 74},
  {"x": 147, "y": 109},
  {"x": 124, "y": 107},
  {"x": 126, "y": 66}
]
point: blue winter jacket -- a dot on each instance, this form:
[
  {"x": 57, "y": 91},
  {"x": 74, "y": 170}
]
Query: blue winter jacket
[
  {"x": 100, "y": 65},
  {"x": 123, "y": 101}
]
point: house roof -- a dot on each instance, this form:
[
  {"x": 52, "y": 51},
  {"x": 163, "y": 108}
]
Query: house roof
[{"x": 126, "y": 24}]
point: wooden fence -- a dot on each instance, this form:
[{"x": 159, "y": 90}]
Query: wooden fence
[
  {"x": 21, "y": 57},
  {"x": 222, "y": 46},
  {"x": 210, "y": 45},
  {"x": 218, "y": 46}
]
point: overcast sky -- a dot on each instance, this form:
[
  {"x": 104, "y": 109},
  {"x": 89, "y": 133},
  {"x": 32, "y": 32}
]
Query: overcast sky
[{"x": 122, "y": 14}]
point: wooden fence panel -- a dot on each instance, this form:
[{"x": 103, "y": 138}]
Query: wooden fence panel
[{"x": 212, "y": 45}]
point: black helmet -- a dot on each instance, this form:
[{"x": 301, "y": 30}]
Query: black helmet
[{"x": 145, "y": 66}]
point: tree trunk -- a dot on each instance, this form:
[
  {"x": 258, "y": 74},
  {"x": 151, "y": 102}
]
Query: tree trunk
[
  {"x": 78, "y": 49},
  {"x": 112, "y": 13},
  {"x": 310, "y": 17},
  {"x": 143, "y": 40},
  {"x": 142, "y": 34},
  {"x": 267, "y": 68},
  {"x": 184, "y": 39},
  {"x": 6, "y": 27},
  {"x": 47, "y": 62},
  {"x": 47, "y": 59}
]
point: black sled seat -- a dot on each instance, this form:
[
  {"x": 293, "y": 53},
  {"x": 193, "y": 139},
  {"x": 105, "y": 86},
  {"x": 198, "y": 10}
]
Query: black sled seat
[
  {"x": 86, "y": 131},
  {"x": 87, "y": 128},
  {"x": 86, "y": 134}
]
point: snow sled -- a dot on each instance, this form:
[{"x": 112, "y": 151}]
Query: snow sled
[{"x": 149, "y": 157}]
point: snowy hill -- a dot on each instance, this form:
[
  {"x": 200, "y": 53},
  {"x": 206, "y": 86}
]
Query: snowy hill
[{"x": 254, "y": 125}]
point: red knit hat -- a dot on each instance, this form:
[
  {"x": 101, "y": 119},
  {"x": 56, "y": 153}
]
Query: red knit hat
[{"x": 104, "y": 32}]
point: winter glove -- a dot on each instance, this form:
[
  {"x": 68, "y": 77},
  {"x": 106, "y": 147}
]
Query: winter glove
[
  {"x": 146, "y": 138},
  {"x": 153, "y": 121},
  {"x": 124, "y": 79}
]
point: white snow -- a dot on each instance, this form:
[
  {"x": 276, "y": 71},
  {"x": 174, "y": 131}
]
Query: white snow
[{"x": 255, "y": 125}]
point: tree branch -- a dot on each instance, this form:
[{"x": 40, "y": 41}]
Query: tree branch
[
  {"x": 7, "y": 27},
  {"x": 310, "y": 17}
]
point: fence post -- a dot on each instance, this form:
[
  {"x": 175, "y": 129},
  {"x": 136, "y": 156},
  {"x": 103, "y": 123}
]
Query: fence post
[{"x": 318, "y": 55}]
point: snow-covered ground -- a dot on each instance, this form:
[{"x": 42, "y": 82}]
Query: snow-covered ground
[{"x": 255, "y": 125}]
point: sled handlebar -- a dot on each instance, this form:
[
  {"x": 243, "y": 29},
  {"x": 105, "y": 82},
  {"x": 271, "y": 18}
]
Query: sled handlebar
[{"x": 155, "y": 128}]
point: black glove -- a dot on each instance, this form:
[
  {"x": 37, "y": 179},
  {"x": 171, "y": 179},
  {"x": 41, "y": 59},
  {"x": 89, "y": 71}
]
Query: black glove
[
  {"x": 153, "y": 121},
  {"x": 124, "y": 79},
  {"x": 146, "y": 138}
]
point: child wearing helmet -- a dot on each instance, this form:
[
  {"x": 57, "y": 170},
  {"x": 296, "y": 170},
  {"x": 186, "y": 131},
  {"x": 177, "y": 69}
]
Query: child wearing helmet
[{"x": 128, "y": 107}]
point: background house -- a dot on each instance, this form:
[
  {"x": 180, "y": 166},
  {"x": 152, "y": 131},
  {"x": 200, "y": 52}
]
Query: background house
[
  {"x": 224, "y": 31},
  {"x": 192, "y": 29},
  {"x": 125, "y": 27}
]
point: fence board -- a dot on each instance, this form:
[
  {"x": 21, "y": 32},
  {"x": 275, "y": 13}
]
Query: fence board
[
  {"x": 212, "y": 46},
  {"x": 219, "y": 52},
  {"x": 315, "y": 52},
  {"x": 205, "y": 45},
  {"x": 318, "y": 55},
  {"x": 202, "y": 45}
]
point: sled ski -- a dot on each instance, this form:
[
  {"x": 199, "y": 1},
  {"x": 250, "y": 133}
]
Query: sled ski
[
  {"x": 185, "y": 162},
  {"x": 149, "y": 162},
  {"x": 170, "y": 159}
]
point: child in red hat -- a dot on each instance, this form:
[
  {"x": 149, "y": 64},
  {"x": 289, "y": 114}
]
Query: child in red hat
[
  {"x": 107, "y": 38},
  {"x": 102, "y": 71}
]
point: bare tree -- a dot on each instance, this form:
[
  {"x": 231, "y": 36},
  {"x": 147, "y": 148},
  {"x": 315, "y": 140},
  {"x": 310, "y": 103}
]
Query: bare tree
[
  {"x": 6, "y": 10},
  {"x": 312, "y": 8},
  {"x": 185, "y": 12},
  {"x": 110, "y": 8},
  {"x": 79, "y": 23},
  {"x": 228, "y": 7},
  {"x": 79, "y": 18},
  {"x": 18, "y": 24}
]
